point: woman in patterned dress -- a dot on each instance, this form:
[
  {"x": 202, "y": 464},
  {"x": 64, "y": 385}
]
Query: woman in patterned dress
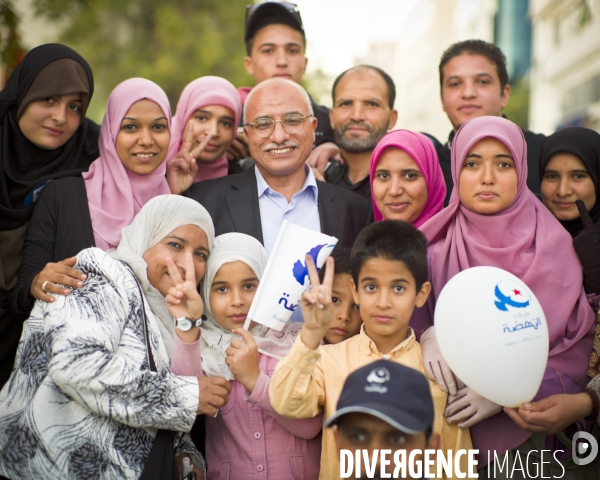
[{"x": 91, "y": 384}]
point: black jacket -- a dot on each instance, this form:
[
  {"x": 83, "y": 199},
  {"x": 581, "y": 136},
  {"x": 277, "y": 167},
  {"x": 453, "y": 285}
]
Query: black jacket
[
  {"x": 534, "y": 147},
  {"x": 232, "y": 202},
  {"x": 60, "y": 227},
  {"x": 324, "y": 132},
  {"x": 337, "y": 174}
]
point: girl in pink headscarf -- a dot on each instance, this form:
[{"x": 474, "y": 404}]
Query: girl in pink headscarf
[
  {"x": 406, "y": 179},
  {"x": 206, "y": 120},
  {"x": 493, "y": 219},
  {"x": 91, "y": 209}
]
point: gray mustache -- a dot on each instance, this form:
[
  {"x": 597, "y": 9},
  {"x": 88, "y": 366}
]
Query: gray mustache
[{"x": 286, "y": 143}]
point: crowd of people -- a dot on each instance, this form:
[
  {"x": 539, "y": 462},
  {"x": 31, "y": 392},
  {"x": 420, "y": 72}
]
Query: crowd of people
[{"x": 130, "y": 254}]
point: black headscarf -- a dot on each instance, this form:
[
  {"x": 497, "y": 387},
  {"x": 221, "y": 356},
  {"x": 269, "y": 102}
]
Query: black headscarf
[
  {"x": 23, "y": 165},
  {"x": 585, "y": 145}
]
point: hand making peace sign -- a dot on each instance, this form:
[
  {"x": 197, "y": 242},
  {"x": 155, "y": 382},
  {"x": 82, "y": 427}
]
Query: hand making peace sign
[
  {"x": 182, "y": 169},
  {"x": 316, "y": 304},
  {"x": 183, "y": 299}
]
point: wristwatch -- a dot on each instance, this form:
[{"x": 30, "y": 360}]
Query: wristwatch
[{"x": 184, "y": 324}]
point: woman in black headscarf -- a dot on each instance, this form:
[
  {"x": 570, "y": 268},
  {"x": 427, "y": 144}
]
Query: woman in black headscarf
[
  {"x": 570, "y": 171},
  {"x": 43, "y": 135}
]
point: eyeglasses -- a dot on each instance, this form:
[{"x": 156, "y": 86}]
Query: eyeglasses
[
  {"x": 290, "y": 7},
  {"x": 291, "y": 123}
]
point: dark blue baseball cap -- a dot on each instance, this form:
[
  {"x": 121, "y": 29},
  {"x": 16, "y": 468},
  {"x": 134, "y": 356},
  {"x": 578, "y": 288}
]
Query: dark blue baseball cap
[{"x": 396, "y": 394}]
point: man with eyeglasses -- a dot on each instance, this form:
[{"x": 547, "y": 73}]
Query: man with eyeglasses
[
  {"x": 280, "y": 126},
  {"x": 275, "y": 47}
]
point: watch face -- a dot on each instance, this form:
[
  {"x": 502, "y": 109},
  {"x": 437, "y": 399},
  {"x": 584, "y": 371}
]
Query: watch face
[{"x": 184, "y": 324}]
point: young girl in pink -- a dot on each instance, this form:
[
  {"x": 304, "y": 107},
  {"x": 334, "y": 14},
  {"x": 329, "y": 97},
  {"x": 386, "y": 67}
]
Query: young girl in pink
[{"x": 246, "y": 439}]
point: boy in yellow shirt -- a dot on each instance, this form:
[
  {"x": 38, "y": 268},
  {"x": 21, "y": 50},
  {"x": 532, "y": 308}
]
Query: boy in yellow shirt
[{"x": 389, "y": 279}]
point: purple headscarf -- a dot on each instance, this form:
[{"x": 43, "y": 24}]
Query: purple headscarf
[
  {"x": 115, "y": 194},
  {"x": 421, "y": 150},
  {"x": 526, "y": 240},
  {"x": 202, "y": 92}
]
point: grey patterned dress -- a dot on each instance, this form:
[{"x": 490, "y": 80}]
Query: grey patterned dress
[{"x": 82, "y": 402}]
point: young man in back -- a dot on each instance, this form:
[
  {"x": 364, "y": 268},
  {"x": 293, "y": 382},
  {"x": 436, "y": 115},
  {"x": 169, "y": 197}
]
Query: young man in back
[
  {"x": 474, "y": 83},
  {"x": 275, "y": 48},
  {"x": 389, "y": 279}
]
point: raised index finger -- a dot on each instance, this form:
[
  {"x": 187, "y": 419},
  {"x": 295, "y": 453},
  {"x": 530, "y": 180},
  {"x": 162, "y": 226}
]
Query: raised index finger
[
  {"x": 246, "y": 336},
  {"x": 586, "y": 219},
  {"x": 201, "y": 146},
  {"x": 190, "y": 271},
  {"x": 312, "y": 272},
  {"x": 329, "y": 271},
  {"x": 173, "y": 271},
  {"x": 188, "y": 136}
]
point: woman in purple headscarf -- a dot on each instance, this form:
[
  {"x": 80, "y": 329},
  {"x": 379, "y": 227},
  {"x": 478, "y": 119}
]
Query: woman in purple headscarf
[
  {"x": 493, "y": 219},
  {"x": 91, "y": 209},
  {"x": 406, "y": 179}
]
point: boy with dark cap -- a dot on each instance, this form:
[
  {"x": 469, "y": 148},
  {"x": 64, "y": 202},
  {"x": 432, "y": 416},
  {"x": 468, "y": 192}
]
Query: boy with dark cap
[
  {"x": 275, "y": 47},
  {"x": 384, "y": 406},
  {"x": 389, "y": 279}
]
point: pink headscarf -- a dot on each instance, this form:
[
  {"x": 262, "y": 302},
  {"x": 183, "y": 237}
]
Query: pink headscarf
[
  {"x": 202, "y": 92},
  {"x": 420, "y": 148},
  {"x": 526, "y": 240},
  {"x": 115, "y": 194}
]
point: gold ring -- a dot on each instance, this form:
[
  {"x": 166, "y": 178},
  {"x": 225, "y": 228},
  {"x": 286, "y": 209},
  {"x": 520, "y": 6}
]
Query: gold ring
[{"x": 44, "y": 286}]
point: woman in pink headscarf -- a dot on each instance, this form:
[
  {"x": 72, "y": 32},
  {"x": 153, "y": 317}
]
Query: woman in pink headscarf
[
  {"x": 91, "y": 209},
  {"x": 406, "y": 179},
  {"x": 493, "y": 219},
  {"x": 206, "y": 120}
]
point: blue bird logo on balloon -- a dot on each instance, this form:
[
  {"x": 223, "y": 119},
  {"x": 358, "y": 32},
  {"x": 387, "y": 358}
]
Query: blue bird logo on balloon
[
  {"x": 300, "y": 271},
  {"x": 512, "y": 299}
]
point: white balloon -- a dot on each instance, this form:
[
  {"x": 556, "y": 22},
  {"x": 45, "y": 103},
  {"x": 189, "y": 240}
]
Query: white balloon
[{"x": 492, "y": 332}]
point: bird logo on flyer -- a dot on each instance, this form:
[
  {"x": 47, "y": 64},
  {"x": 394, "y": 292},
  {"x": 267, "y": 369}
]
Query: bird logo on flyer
[{"x": 300, "y": 270}]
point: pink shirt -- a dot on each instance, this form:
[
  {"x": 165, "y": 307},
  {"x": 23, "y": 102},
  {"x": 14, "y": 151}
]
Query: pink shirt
[{"x": 248, "y": 439}]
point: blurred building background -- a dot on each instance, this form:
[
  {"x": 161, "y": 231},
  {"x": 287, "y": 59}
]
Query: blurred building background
[
  {"x": 428, "y": 30},
  {"x": 565, "y": 74},
  {"x": 412, "y": 61}
]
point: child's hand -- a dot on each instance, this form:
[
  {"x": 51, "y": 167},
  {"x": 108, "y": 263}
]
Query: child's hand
[
  {"x": 214, "y": 394},
  {"x": 316, "y": 304},
  {"x": 183, "y": 299},
  {"x": 242, "y": 359}
]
